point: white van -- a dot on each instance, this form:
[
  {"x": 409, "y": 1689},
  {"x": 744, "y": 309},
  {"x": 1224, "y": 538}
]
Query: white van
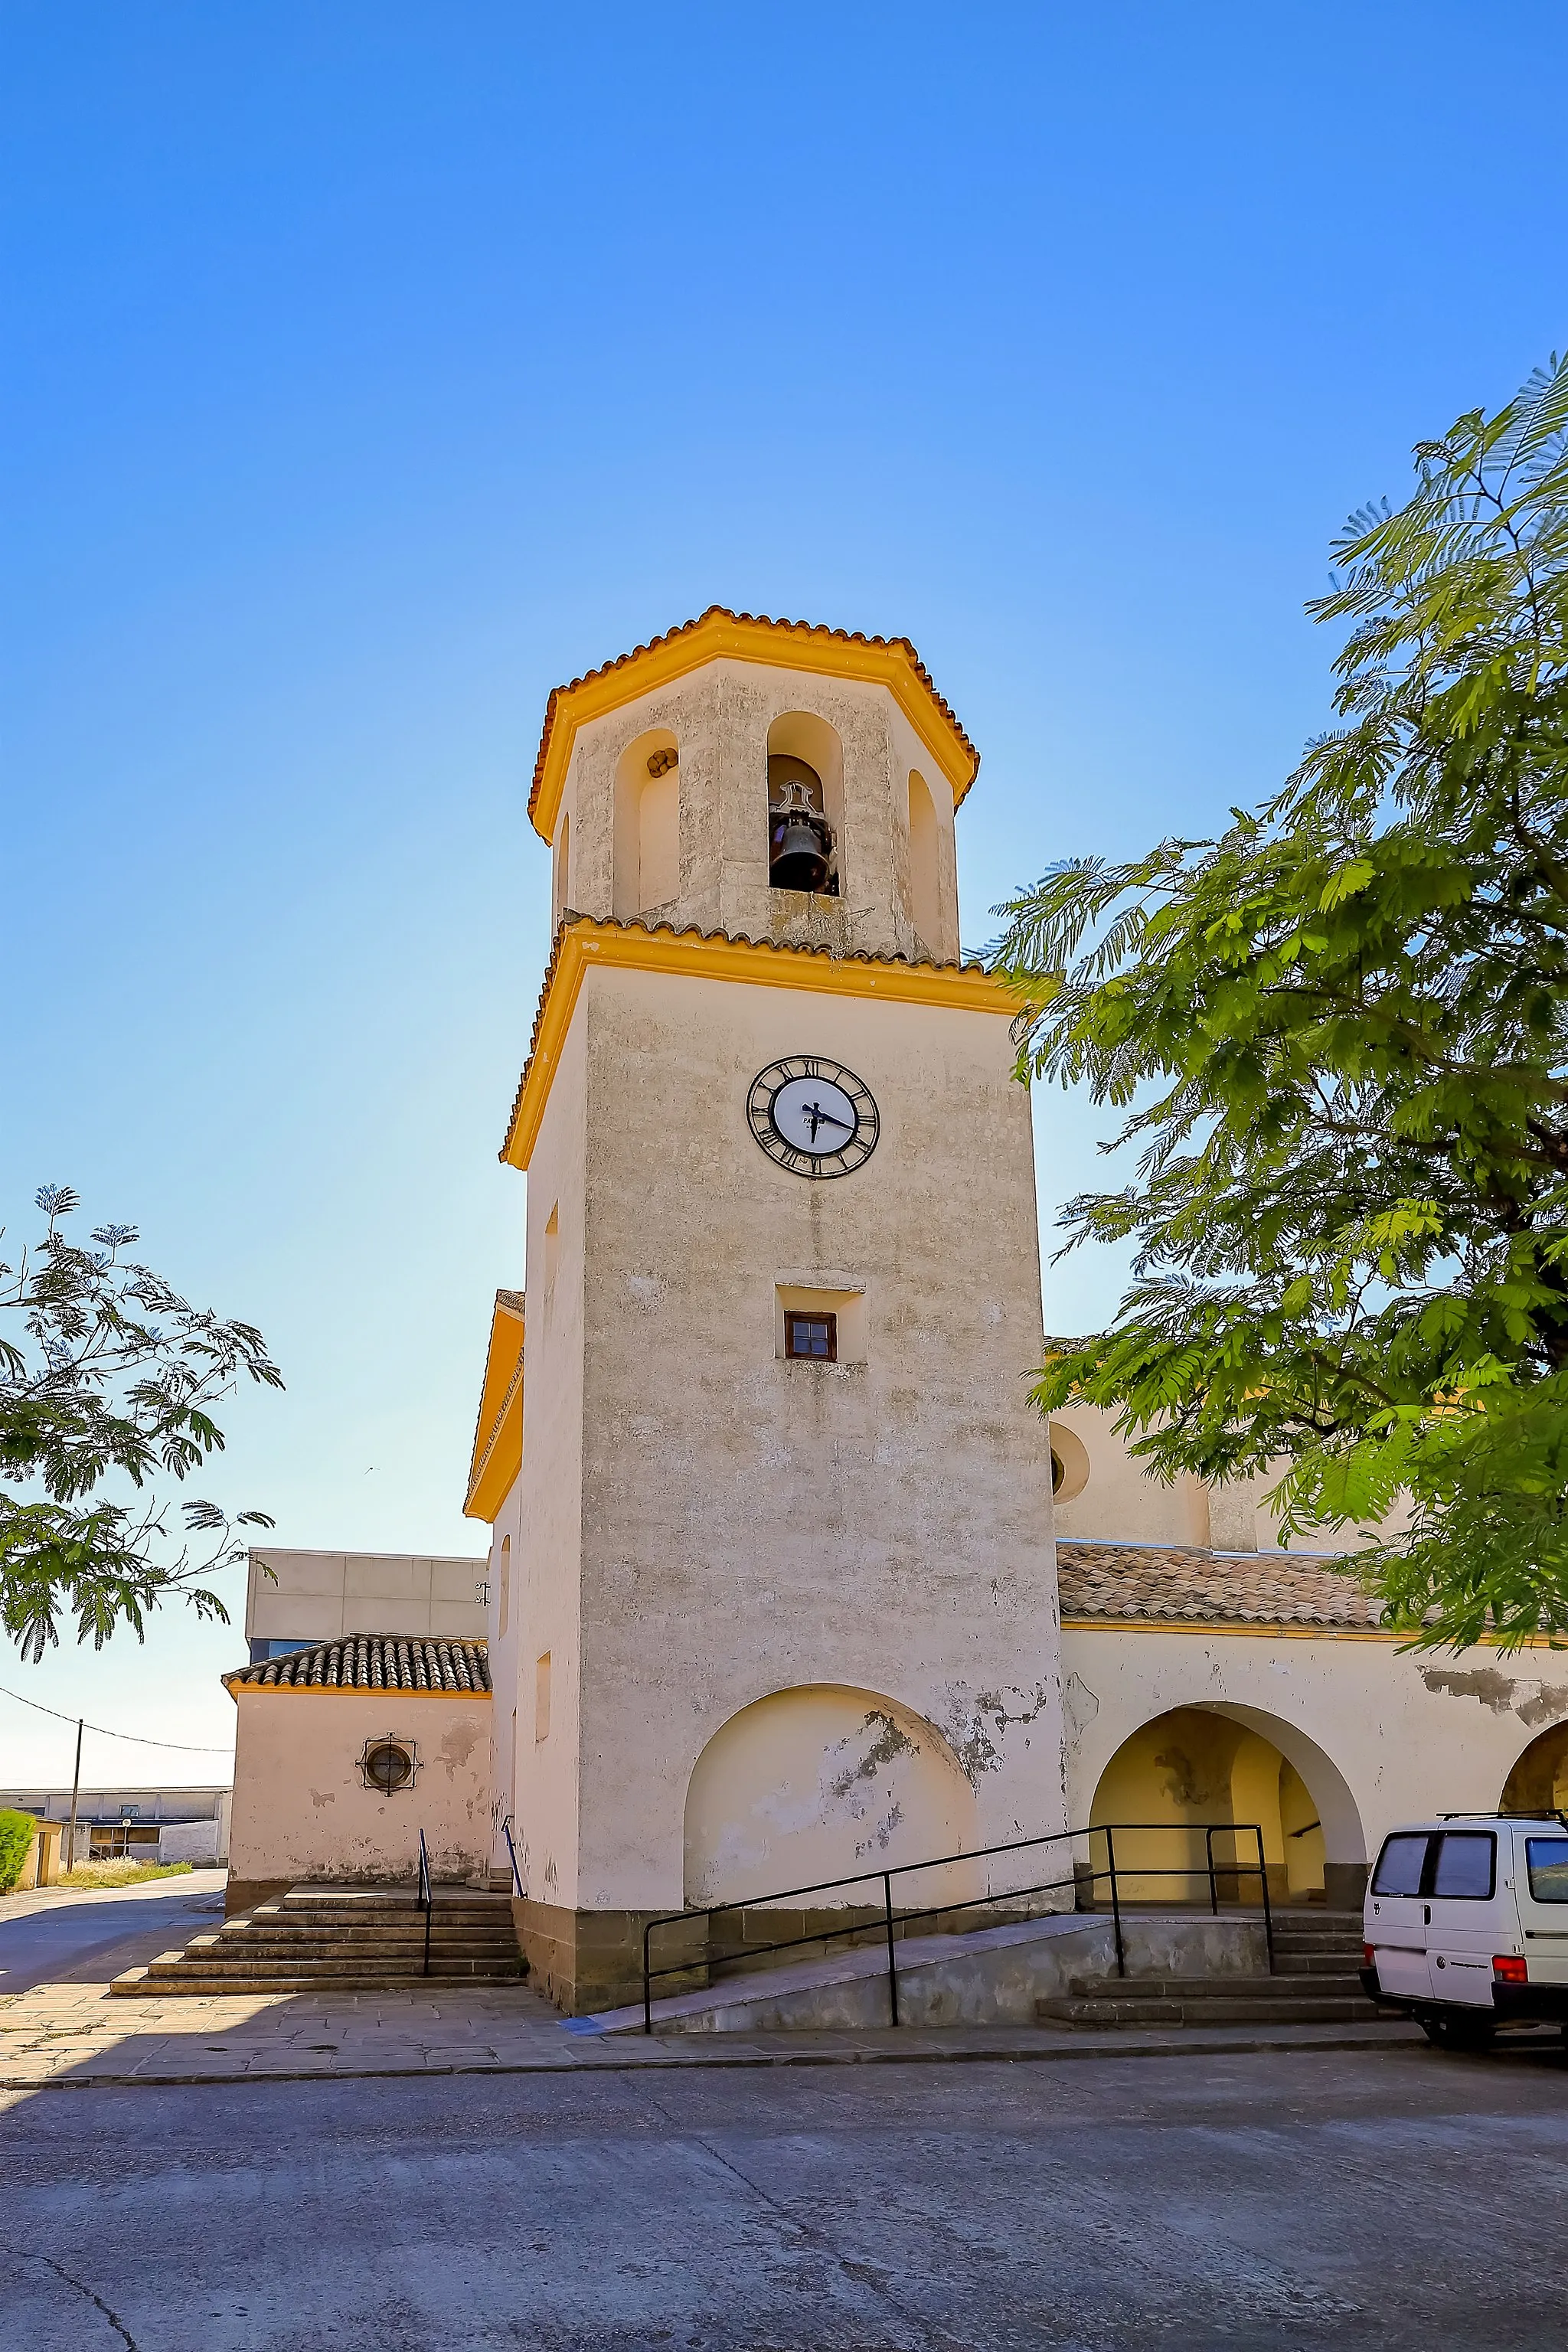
[{"x": 1466, "y": 1926}]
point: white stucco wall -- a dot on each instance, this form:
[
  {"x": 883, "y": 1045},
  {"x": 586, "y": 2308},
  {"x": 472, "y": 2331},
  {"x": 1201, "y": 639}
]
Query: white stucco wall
[
  {"x": 748, "y": 1524},
  {"x": 814, "y": 1784},
  {"x": 302, "y": 1810}
]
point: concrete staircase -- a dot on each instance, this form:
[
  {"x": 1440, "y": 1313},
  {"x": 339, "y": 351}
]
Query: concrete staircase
[
  {"x": 343, "y": 1939},
  {"x": 1317, "y": 1954}
]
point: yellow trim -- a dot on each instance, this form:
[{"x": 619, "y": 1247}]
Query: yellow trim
[
  {"x": 781, "y": 645},
  {"x": 233, "y": 1683},
  {"x": 497, "y": 1435},
  {"x": 629, "y": 948},
  {"x": 1206, "y": 1628}
]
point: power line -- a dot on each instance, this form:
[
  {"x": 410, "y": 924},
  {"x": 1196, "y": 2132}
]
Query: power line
[{"x": 138, "y": 1738}]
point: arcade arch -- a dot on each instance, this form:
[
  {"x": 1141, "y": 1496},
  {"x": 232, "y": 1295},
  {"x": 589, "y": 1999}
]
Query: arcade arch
[
  {"x": 1539, "y": 1781},
  {"x": 816, "y": 1783},
  {"x": 1238, "y": 1766}
]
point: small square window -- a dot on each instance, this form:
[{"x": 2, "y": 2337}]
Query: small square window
[{"x": 813, "y": 1336}]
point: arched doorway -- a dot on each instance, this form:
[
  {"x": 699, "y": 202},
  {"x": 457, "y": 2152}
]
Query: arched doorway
[
  {"x": 1538, "y": 1781},
  {"x": 1236, "y": 1766},
  {"x": 818, "y": 1783}
]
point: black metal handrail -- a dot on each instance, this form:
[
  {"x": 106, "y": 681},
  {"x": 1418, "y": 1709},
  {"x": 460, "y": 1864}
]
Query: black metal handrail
[
  {"x": 506, "y": 1828},
  {"x": 891, "y": 1919},
  {"x": 426, "y": 1899}
]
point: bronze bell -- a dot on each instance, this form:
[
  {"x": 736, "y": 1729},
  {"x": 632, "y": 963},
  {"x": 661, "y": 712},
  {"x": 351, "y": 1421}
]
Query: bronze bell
[{"x": 798, "y": 847}]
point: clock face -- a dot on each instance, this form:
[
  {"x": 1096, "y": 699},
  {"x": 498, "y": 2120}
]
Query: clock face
[{"x": 814, "y": 1118}]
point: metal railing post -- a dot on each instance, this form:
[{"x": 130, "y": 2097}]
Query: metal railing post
[
  {"x": 646, "y": 1982},
  {"x": 1115, "y": 1904},
  {"x": 1214, "y": 1884},
  {"x": 426, "y": 1898},
  {"x": 1268, "y": 1908},
  {"x": 892, "y": 1964}
]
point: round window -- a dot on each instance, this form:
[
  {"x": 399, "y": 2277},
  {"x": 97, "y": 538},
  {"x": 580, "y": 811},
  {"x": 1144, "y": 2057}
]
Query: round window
[{"x": 388, "y": 1766}]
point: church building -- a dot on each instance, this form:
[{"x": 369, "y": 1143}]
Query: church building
[{"x": 788, "y": 1582}]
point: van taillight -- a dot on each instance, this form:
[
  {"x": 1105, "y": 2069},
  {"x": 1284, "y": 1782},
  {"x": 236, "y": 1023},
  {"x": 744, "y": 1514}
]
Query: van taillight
[
  {"x": 1508, "y": 1967},
  {"x": 1369, "y": 1955}
]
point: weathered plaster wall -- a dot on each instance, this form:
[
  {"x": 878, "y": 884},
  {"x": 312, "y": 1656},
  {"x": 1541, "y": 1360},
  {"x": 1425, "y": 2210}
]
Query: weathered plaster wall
[
  {"x": 719, "y": 717},
  {"x": 751, "y": 1525},
  {"x": 1378, "y": 1738},
  {"x": 302, "y": 1810},
  {"x": 789, "y": 1787}
]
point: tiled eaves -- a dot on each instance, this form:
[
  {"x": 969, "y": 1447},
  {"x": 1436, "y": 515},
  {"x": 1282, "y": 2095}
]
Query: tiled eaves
[
  {"x": 800, "y": 629},
  {"x": 572, "y": 919},
  {"x": 1173, "y": 1583},
  {"x": 374, "y": 1662}
]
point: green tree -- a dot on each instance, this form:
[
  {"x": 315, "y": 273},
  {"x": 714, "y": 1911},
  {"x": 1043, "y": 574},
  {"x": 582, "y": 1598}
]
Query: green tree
[
  {"x": 107, "y": 1374},
  {"x": 18, "y": 1832},
  {"x": 1336, "y": 1034}
]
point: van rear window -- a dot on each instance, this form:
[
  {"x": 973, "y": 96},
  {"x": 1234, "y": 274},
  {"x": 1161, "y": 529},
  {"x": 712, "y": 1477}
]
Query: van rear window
[
  {"x": 1466, "y": 1865},
  {"x": 1400, "y": 1864},
  {"x": 1547, "y": 1861}
]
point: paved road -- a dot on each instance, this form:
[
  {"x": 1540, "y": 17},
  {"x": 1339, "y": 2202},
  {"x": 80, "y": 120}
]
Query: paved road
[
  {"x": 47, "y": 1933},
  {"x": 1397, "y": 2200}
]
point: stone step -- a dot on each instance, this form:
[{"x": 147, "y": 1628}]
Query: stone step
[
  {"x": 141, "y": 1983},
  {"x": 1341, "y": 2009},
  {"x": 1316, "y": 1964},
  {"x": 1282, "y": 1986},
  {"x": 359, "y": 1940},
  {"x": 368, "y": 1955},
  {"x": 245, "y": 1973},
  {"x": 390, "y": 1899}
]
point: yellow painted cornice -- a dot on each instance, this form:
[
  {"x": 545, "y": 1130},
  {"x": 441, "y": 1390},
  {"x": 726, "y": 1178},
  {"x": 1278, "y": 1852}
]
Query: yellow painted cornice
[
  {"x": 718, "y": 633},
  {"x": 238, "y": 1688},
  {"x": 1206, "y": 1628},
  {"x": 497, "y": 1455},
  {"x": 581, "y": 943}
]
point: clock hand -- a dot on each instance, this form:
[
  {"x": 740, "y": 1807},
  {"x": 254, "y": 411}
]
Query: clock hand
[{"x": 820, "y": 1118}]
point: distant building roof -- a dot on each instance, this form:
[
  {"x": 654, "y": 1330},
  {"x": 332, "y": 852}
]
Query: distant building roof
[
  {"x": 372, "y": 1662},
  {"x": 1174, "y": 1583}
]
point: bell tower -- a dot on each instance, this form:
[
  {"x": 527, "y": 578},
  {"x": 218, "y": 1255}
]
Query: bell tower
[{"x": 772, "y": 1587}]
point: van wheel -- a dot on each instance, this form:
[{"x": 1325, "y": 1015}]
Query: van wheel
[{"x": 1458, "y": 2033}]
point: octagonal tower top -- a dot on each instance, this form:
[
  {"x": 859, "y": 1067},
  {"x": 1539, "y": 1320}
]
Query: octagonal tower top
[{"x": 766, "y": 779}]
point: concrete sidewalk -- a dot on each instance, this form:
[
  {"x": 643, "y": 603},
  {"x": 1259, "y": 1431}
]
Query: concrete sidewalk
[{"x": 71, "y": 2033}]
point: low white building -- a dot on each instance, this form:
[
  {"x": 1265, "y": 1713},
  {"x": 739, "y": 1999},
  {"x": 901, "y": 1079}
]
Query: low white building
[
  {"x": 295, "y": 1598},
  {"x": 135, "y": 1824}
]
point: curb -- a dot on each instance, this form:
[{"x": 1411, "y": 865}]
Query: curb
[{"x": 667, "y": 2061}]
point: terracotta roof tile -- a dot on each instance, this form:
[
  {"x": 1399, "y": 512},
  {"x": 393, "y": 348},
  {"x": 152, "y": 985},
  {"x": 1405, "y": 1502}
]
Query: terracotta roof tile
[
  {"x": 372, "y": 1662},
  {"x": 757, "y": 620},
  {"x": 1167, "y": 1583}
]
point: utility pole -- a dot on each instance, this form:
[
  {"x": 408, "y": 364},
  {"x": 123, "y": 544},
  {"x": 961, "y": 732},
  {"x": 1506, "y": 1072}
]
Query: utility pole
[{"x": 75, "y": 1784}]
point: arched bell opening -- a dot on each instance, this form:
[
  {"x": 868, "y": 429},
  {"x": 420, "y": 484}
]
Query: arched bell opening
[
  {"x": 1240, "y": 1771},
  {"x": 648, "y": 825},
  {"x": 925, "y": 865},
  {"x": 805, "y": 805}
]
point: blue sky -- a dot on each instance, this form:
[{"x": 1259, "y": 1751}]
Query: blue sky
[{"x": 366, "y": 371}]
